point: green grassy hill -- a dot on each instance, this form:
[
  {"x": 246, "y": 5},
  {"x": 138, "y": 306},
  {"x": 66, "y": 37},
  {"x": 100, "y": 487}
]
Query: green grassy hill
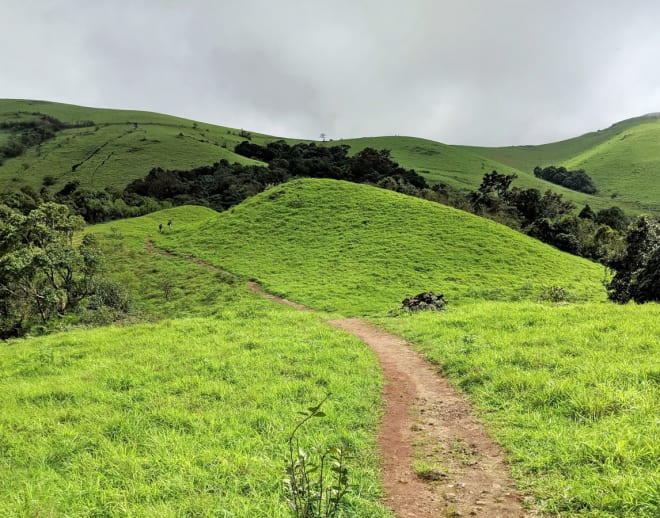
[
  {"x": 623, "y": 160},
  {"x": 123, "y": 145},
  {"x": 358, "y": 249}
]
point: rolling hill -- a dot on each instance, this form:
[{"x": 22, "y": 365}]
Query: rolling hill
[
  {"x": 357, "y": 249},
  {"x": 114, "y": 147},
  {"x": 188, "y": 409}
]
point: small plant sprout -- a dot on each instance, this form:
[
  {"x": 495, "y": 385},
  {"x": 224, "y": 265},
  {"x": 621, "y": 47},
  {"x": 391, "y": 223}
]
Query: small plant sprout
[{"x": 315, "y": 485}]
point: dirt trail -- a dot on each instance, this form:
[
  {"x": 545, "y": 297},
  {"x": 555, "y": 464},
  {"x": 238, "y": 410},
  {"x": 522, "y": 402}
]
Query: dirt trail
[{"x": 460, "y": 469}]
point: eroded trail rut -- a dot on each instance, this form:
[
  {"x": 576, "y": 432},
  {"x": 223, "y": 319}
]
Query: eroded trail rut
[{"x": 428, "y": 422}]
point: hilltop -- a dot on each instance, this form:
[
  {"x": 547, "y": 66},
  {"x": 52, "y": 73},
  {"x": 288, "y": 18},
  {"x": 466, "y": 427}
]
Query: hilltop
[
  {"x": 103, "y": 147},
  {"x": 357, "y": 249}
]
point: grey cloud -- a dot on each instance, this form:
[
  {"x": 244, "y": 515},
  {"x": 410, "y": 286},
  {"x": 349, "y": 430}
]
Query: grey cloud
[{"x": 476, "y": 71}]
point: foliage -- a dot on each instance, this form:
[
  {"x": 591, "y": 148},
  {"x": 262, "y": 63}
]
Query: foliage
[
  {"x": 577, "y": 180},
  {"x": 548, "y": 217},
  {"x": 315, "y": 487},
  {"x": 42, "y": 273},
  {"x": 638, "y": 267},
  {"x": 613, "y": 217}
]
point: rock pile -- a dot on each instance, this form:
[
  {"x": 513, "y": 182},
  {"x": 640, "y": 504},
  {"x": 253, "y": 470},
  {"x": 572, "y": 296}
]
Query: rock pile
[{"x": 425, "y": 301}]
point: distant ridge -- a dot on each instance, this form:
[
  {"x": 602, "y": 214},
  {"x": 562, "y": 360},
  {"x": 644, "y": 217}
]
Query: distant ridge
[{"x": 123, "y": 145}]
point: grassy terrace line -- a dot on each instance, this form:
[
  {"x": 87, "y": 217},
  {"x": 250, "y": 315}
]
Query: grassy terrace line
[
  {"x": 359, "y": 250},
  {"x": 124, "y": 145}
]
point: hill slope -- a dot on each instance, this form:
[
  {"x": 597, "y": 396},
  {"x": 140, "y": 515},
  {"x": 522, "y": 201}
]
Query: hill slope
[
  {"x": 358, "y": 249},
  {"x": 623, "y": 160},
  {"x": 122, "y": 145}
]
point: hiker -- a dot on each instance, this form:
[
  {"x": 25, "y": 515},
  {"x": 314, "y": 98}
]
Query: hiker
[
  {"x": 169, "y": 224},
  {"x": 160, "y": 228}
]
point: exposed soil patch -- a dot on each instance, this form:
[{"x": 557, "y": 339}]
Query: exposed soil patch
[
  {"x": 461, "y": 471},
  {"x": 437, "y": 458},
  {"x": 256, "y": 288}
]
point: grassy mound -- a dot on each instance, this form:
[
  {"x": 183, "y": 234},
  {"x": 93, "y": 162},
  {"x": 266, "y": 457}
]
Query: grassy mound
[{"x": 357, "y": 249}]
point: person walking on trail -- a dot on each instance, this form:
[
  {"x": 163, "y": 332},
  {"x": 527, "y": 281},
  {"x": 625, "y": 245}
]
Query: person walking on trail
[
  {"x": 160, "y": 228},
  {"x": 169, "y": 224}
]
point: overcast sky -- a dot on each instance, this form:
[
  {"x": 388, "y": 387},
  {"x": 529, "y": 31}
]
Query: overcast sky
[{"x": 489, "y": 72}]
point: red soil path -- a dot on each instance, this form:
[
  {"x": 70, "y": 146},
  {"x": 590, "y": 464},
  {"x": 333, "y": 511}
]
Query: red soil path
[{"x": 427, "y": 421}]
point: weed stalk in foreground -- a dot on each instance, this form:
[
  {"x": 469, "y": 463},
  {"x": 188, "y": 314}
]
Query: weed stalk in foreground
[{"x": 315, "y": 487}]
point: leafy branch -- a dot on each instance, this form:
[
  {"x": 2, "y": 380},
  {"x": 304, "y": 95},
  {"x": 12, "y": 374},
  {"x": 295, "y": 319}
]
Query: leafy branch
[{"x": 315, "y": 487}]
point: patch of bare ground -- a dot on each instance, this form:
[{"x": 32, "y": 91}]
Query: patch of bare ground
[
  {"x": 461, "y": 471},
  {"x": 427, "y": 425}
]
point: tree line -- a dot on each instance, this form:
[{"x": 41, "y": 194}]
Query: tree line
[{"x": 631, "y": 251}]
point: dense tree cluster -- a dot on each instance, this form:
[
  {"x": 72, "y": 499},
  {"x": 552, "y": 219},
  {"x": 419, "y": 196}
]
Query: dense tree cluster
[
  {"x": 93, "y": 206},
  {"x": 638, "y": 266},
  {"x": 43, "y": 274},
  {"x": 577, "y": 180},
  {"x": 223, "y": 185},
  {"x": 309, "y": 160},
  {"x": 549, "y": 218}
]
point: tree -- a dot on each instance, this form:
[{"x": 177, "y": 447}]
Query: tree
[
  {"x": 613, "y": 217},
  {"x": 492, "y": 183},
  {"x": 42, "y": 273},
  {"x": 638, "y": 268}
]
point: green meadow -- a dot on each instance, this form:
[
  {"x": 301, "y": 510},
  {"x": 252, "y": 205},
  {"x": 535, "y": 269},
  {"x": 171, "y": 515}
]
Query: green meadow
[
  {"x": 186, "y": 415},
  {"x": 572, "y": 392}
]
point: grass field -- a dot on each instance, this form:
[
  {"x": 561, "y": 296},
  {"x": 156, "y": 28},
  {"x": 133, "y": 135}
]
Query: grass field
[
  {"x": 184, "y": 416},
  {"x": 360, "y": 250},
  {"x": 571, "y": 391}
]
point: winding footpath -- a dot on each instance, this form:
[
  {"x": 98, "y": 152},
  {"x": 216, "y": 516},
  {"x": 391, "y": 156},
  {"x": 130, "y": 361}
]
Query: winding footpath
[{"x": 427, "y": 421}]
